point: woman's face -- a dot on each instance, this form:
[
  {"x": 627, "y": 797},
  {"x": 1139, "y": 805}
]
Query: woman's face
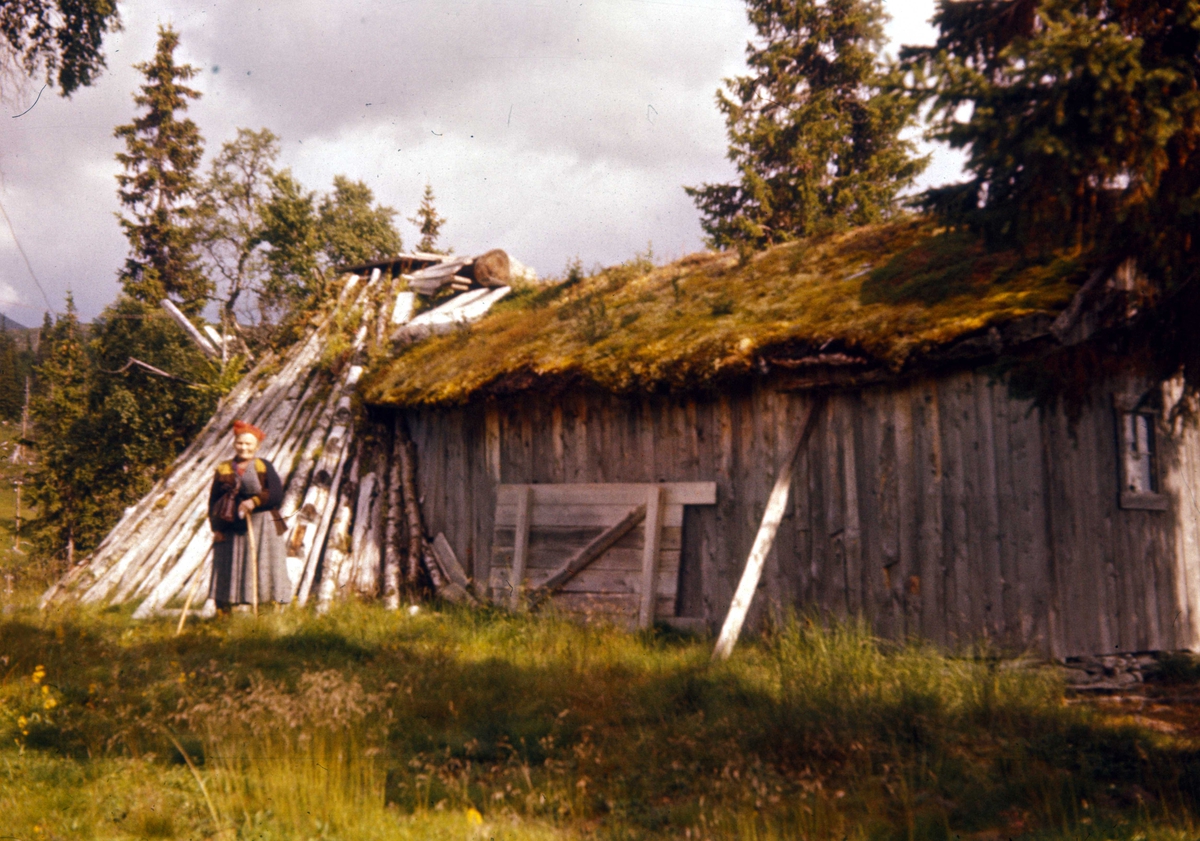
[{"x": 245, "y": 445}]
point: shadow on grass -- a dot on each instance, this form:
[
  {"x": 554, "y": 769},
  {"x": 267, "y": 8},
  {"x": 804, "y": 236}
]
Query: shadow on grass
[{"x": 812, "y": 731}]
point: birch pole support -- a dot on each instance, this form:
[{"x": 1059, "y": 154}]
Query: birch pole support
[
  {"x": 391, "y": 532},
  {"x": 253, "y": 559},
  {"x": 772, "y": 517}
]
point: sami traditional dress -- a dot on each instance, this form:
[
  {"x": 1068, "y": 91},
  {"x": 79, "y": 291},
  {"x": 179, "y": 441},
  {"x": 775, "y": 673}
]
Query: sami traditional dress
[{"x": 232, "y": 579}]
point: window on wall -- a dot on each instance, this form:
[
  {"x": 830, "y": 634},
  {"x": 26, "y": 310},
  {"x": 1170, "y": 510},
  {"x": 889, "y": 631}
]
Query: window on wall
[{"x": 1138, "y": 460}]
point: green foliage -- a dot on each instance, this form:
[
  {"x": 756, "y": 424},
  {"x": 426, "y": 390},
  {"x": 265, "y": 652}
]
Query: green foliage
[
  {"x": 814, "y": 132},
  {"x": 229, "y": 214},
  {"x": 59, "y": 38},
  {"x": 16, "y": 364},
  {"x": 429, "y": 223},
  {"x": 309, "y": 241},
  {"x": 106, "y": 430},
  {"x": 61, "y": 479},
  {"x": 1081, "y": 124},
  {"x": 289, "y": 227},
  {"x": 352, "y": 228},
  {"x": 162, "y": 153},
  {"x": 1080, "y": 115},
  {"x": 488, "y": 725}
]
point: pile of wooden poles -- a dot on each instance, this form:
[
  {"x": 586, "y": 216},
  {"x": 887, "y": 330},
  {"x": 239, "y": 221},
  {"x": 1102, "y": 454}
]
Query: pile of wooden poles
[{"x": 353, "y": 519}]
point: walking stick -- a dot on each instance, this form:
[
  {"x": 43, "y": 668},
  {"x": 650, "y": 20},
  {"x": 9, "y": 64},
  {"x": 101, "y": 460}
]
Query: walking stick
[
  {"x": 188, "y": 603},
  {"x": 253, "y": 557}
]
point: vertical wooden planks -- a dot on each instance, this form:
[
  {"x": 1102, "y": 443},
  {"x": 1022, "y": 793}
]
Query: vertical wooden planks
[
  {"x": 520, "y": 546},
  {"x": 834, "y": 504},
  {"x": 887, "y": 514},
  {"x": 709, "y": 542},
  {"x": 800, "y": 512},
  {"x": 1027, "y": 520},
  {"x": 912, "y": 550},
  {"x": 478, "y": 560},
  {"x": 958, "y": 587},
  {"x": 1184, "y": 483},
  {"x": 651, "y": 545},
  {"x": 930, "y": 482},
  {"x": 783, "y": 581},
  {"x": 718, "y": 589},
  {"x": 856, "y": 584},
  {"x": 1007, "y": 522},
  {"x": 491, "y": 424},
  {"x": 557, "y": 442}
]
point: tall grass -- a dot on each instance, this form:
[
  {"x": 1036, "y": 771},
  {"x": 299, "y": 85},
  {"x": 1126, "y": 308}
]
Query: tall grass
[{"x": 364, "y": 724}]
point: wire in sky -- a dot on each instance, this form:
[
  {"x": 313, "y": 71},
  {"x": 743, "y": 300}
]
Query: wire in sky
[{"x": 24, "y": 257}]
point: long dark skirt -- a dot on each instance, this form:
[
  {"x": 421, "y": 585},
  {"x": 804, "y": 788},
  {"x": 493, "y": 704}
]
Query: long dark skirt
[{"x": 232, "y": 580}]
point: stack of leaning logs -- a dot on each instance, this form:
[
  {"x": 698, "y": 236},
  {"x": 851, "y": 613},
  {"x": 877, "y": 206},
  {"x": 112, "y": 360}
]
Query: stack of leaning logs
[{"x": 352, "y": 528}]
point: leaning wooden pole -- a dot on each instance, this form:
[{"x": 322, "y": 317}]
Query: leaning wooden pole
[{"x": 772, "y": 517}]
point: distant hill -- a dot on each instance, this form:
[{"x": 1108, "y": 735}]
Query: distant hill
[{"x": 7, "y": 323}]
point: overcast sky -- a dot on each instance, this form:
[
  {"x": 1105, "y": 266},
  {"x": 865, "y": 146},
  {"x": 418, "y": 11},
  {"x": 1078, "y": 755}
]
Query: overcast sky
[{"x": 551, "y": 129}]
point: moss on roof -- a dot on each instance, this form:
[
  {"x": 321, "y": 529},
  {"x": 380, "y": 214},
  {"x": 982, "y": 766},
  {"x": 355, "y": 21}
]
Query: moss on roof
[{"x": 888, "y": 294}]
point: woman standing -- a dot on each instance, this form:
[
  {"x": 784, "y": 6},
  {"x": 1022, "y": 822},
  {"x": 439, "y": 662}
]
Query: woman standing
[{"x": 246, "y": 493}]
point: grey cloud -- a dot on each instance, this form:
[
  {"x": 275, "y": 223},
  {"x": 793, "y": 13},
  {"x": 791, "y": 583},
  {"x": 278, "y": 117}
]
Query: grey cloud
[{"x": 556, "y": 130}]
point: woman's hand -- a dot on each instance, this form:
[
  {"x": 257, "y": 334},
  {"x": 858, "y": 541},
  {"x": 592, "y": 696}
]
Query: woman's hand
[{"x": 246, "y": 507}]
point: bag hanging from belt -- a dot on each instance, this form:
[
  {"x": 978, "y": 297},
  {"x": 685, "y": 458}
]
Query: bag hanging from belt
[{"x": 225, "y": 510}]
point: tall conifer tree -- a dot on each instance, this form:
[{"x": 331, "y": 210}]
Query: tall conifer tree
[
  {"x": 429, "y": 223},
  {"x": 162, "y": 153},
  {"x": 63, "y": 473},
  {"x": 814, "y": 130},
  {"x": 1080, "y": 120},
  {"x": 1081, "y": 124}
]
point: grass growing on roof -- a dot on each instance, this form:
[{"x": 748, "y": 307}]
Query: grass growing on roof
[
  {"x": 367, "y": 724},
  {"x": 890, "y": 292}
]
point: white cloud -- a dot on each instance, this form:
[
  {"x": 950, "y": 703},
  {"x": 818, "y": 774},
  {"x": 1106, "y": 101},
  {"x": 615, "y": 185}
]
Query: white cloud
[
  {"x": 9, "y": 296},
  {"x": 556, "y": 129}
]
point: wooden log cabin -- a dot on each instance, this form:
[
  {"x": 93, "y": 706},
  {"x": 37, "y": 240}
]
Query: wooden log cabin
[{"x": 940, "y": 496}]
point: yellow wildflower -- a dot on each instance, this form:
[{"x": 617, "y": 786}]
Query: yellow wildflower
[
  {"x": 45, "y": 690},
  {"x": 50, "y": 704},
  {"x": 473, "y": 817},
  {"x": 39, "y": 672}
]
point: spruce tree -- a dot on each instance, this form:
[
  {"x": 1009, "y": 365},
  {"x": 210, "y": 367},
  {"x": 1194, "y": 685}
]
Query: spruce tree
[
  {"x": 1081, "y": 124},
  {"x": 1080, "y": 120},
  {"x": 814, "y": 131},
  {"x": 429, "y": 223},
  {"x": 61, "y": 481},
  {"x": 162, "y": 153}
]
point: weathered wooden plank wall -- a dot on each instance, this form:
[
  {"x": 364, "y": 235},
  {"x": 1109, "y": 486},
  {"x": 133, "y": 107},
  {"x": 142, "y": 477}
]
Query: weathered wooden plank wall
[{"x": 943, "y": 508}]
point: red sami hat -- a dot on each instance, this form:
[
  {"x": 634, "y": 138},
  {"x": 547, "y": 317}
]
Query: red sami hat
[{"x": 240, "y": 427}]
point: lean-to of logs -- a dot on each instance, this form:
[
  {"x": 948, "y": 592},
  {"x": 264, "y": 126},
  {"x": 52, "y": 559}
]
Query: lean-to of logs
[{"x": 349, "y": 523}]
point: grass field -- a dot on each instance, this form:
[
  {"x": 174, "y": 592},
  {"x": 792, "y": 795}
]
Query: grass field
[{"x": 364, "y": 724}]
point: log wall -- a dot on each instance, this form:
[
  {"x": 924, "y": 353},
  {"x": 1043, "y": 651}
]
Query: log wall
[{"x": 943, "y": 509}]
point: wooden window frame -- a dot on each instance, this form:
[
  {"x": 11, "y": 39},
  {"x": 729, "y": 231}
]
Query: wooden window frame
[{"x": 1153, "y": 500}]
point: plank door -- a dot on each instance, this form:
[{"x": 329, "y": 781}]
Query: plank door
[{"x": 559, "y": 520}]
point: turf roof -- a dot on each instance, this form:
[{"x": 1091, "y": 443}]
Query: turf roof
[{"x": 887, "y": 297}]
